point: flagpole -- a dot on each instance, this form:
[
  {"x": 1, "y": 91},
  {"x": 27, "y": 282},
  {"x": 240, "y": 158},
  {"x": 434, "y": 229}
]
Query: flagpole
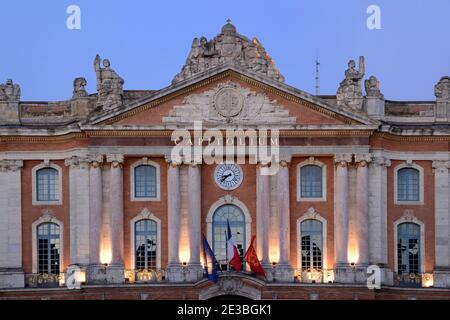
[{"x": 226, "y": 250}]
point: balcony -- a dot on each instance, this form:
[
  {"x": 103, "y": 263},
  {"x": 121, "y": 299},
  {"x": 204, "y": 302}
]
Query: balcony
[
  {"x": 314, "y": 276},
  {"x": 413, "y": 280},
  {"x": 145, "y": 276},
  {"x": 45, "y": 280}
]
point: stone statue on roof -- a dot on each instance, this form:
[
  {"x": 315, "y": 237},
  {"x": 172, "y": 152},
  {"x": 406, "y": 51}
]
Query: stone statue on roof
[
  {"x": 9, "y": 91},
  {"x": 79, "y": 89},
  {"x": 229, "y": 47},
  {"x": 349, "y": 94},
  {"x": 109, "y": 85},
  {"x": 372, "y": 86},
  {"x": 442, "y": 89}
]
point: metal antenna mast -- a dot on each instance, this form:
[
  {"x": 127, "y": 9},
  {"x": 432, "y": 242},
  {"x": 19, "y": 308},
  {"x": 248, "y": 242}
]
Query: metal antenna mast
[{"x": 317, "y": 76}]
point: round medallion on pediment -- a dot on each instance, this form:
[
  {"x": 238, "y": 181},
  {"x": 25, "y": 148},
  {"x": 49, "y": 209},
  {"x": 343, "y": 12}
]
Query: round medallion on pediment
[{"x": 228, "y": 102}]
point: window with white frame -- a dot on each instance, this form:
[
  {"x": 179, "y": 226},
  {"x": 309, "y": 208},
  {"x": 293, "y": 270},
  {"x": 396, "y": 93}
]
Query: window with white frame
[
  {"x": 233, "y": 215},
  {"x": 311, "y": 182},
  {"x": 145, "y": 182},
  {"x": 47, "y": 184},
  {"x": 408, "y": 248},
  {"x": 408, "y": 184},
  {"x": 146, "y": 235},
  {"x": 311, "y": 245},
  {"x": 48, "y": 240}
]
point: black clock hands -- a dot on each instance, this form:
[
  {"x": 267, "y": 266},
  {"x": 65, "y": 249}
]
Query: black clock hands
[{"x": 225, "y": 176}]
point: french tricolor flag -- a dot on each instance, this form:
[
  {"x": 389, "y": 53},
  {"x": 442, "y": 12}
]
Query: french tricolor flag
[{"x": 232, "y": 251}]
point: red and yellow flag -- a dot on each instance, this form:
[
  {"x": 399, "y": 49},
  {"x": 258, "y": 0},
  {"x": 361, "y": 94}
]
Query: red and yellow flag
[{"x": 252, "y": 259}]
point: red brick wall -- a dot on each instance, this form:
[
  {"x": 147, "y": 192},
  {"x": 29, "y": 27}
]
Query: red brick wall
[
  {"x": 424, "y": 213},
  {"x": 133, "y": 208},
  {"x": 32, "y": 213},
  {"x": 324, "y": 208}
]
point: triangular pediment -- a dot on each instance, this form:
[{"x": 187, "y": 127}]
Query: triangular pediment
[{"x": 228, "y": 96}]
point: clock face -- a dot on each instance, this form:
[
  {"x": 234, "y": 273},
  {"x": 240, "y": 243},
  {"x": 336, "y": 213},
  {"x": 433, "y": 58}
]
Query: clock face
[{"x": 228, "y": 176}]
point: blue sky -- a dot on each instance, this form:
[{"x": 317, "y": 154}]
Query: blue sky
[{"x": 148, "y": 41}]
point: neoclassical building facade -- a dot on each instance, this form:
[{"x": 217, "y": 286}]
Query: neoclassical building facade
[{"x": 91, "y": 188}]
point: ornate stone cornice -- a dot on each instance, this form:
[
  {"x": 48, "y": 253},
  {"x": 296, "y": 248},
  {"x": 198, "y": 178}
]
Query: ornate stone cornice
[
  {"x": 10, "y": 165},
  {"x": 234, "y": 75}
]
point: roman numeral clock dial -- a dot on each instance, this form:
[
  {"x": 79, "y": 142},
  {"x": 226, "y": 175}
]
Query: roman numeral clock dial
[{"x": 228, "y": 176}]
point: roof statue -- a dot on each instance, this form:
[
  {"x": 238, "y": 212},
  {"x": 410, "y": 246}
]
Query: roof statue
[
  {"x": 349, "y": 94},
  {"x": 109, "y": 85},
  {"x": 9, "y": 91},
  {"x": 228, "y": 47}
]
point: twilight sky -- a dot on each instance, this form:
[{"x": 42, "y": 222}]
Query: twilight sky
[{"x": 148, "y": 41}]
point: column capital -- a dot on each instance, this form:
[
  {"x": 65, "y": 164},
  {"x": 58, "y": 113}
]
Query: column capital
[
  {"x": 381, "y": 161},
  {"x": 441, "y": 166},
  {"x": 96, "y": 160},
  {"x": 116, "y": 160},
  {"x": 343, "y": 159},
  {"x": 10, "y": 165},
  {"x": 194, "y": 164},
  {"x": 363, "y": 159},
  {"x": 173, "y": 163},
  {"x": 76, "y": 162},
  {"x": 284, "y": 164},
  {"x": 263, "y": 164}
]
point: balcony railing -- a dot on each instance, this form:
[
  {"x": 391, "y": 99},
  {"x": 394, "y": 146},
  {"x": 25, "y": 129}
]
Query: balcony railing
[
  {"x": 145, "y": 276},
  {"x": 37, "y": 280},
  {"x": 408, "y": 280},
  {"x": 314, "y": 276}
]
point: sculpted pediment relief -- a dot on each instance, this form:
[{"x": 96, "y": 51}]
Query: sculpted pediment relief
[{"x": 229, "y": 103}]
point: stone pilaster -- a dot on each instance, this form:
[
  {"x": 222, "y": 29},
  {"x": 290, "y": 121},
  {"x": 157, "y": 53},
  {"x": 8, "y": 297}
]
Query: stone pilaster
[
  {"x": 11, "y": 272},
  {"x": 362, "y": 214},
  {"x": 174, "y": 269},
  {"x": 343, "y": 272},
  {"x": 262, "y": 214},
  {"x": 79, "y": 210},
  {"x": 95, "y": 269},
  {"x": 378, "y": 250},
  {"x": 115, "y": 269},
  {"x": 195, "y": 270},
  {"x": 283, "y": 271},
  {"x": 442, "y": 224}
]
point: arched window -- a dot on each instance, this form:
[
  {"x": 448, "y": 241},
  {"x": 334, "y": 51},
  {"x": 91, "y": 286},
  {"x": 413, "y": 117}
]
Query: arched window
[
  {"x": 311, "y": 182},
  {"x": 236, "y": 217},
  {"x": 408, "y": 184},
  {"x": 312, "y": 245},
  {"x": 47, "y": 188},
  {"x": 408, "y": 248},
  {"x": 146, "y": 234},
  {"x": 145, "y": 182},
  {"x": 48, "y": 237}
]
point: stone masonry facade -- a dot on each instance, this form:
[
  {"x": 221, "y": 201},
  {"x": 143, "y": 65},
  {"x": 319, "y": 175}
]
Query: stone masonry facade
[{"x": 94, "y": 143}]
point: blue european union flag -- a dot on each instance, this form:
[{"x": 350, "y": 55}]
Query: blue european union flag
[{"x": 210, "y": 261}]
